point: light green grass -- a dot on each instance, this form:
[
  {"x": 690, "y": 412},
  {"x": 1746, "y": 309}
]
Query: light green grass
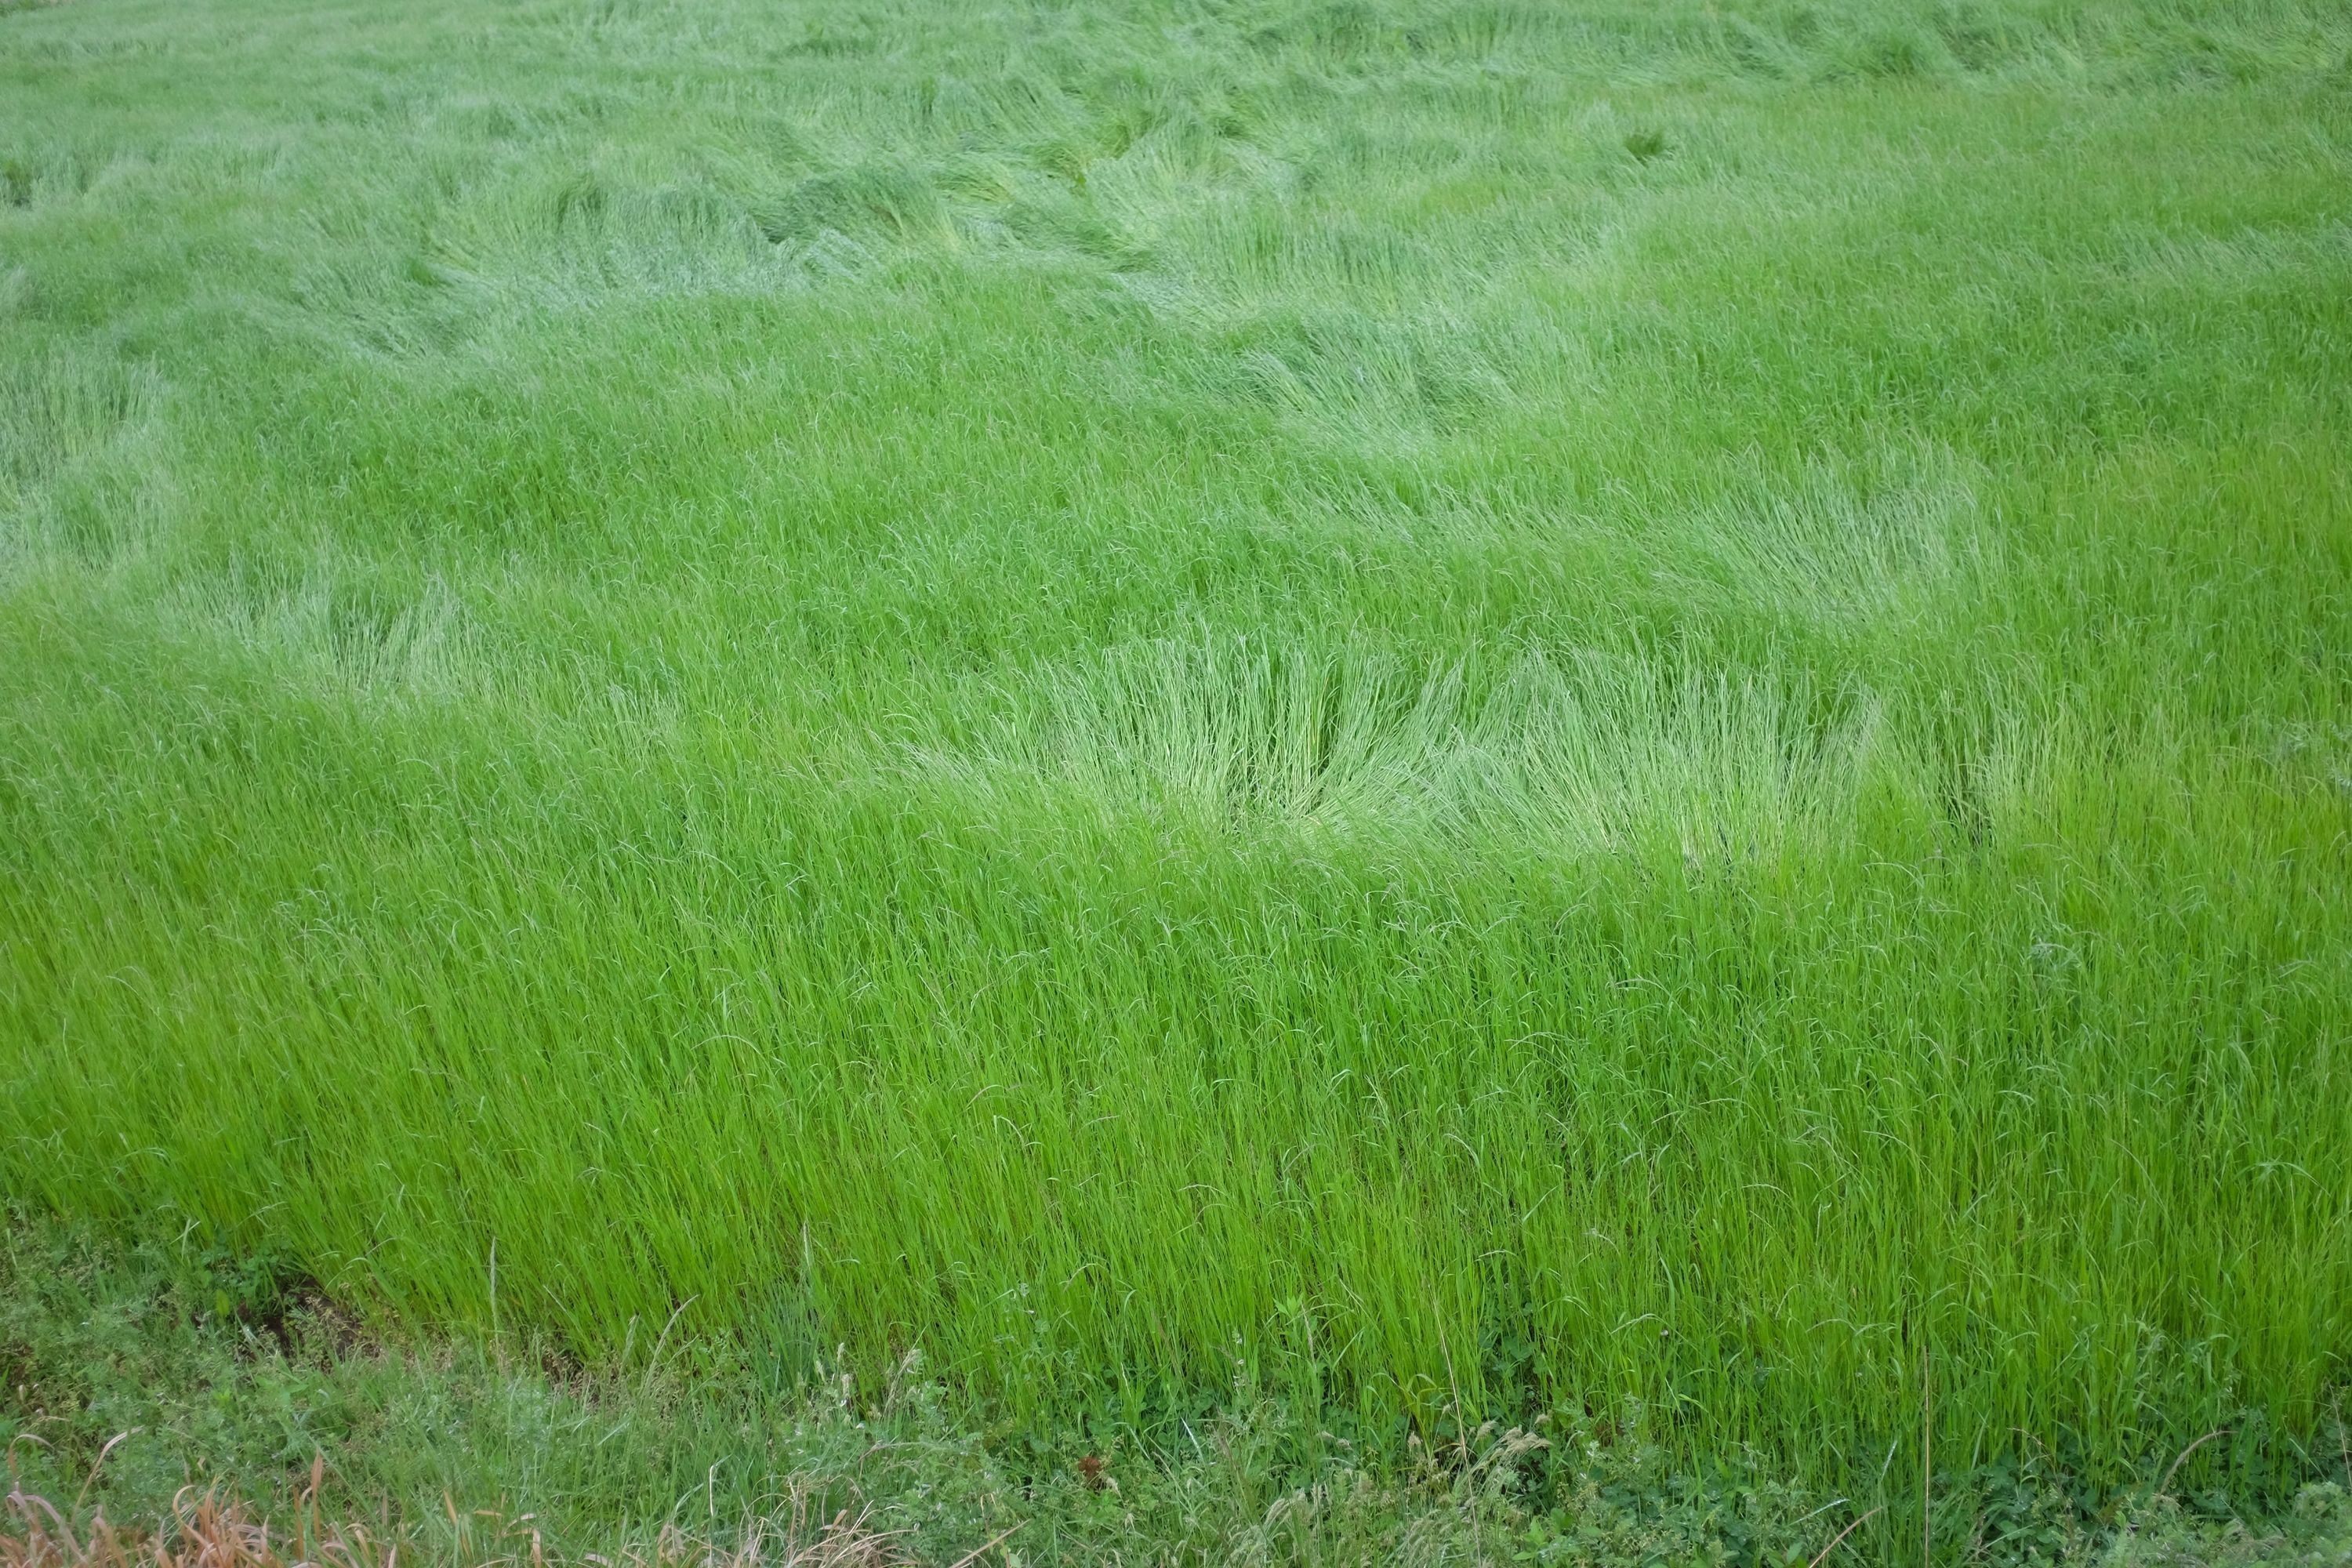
[{"x": 1499, "y": 707}]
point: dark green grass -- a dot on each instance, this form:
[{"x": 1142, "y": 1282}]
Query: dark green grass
[
  {"x": 1497, "y": 708},
  {"x": 133, "y": 1378}
]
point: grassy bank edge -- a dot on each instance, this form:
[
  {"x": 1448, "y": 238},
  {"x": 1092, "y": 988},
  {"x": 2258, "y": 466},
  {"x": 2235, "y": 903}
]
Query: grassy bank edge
[{"x": 163, "y": 1401}]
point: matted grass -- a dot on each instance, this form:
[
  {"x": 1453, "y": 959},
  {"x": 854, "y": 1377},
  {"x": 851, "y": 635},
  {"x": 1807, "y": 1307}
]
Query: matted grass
[{"x": 1497, "y": 708}]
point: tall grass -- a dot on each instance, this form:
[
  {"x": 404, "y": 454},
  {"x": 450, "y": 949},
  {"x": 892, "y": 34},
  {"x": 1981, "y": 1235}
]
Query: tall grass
[{"x": 1491, "y": 708}]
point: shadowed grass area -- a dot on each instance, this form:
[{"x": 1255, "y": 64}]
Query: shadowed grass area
[{"x": 1495, "y": 707}]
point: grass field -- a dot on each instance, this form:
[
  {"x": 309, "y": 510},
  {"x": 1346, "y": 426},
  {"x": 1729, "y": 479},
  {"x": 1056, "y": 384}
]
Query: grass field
[{"x": 1471, "y": 709}]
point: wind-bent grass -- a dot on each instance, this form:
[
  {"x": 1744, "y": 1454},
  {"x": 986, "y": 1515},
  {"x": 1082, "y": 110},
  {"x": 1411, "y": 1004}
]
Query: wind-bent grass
[{"x": 1495, "y": 707}]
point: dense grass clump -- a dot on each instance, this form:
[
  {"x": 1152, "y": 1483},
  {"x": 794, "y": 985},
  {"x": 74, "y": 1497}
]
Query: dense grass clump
[{"x": 1492, "y": 709}]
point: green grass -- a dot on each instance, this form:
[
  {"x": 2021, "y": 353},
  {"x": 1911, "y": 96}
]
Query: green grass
[
  {"x": 139, "y": 1377},
  {"x": 1491, "y": 708}
]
